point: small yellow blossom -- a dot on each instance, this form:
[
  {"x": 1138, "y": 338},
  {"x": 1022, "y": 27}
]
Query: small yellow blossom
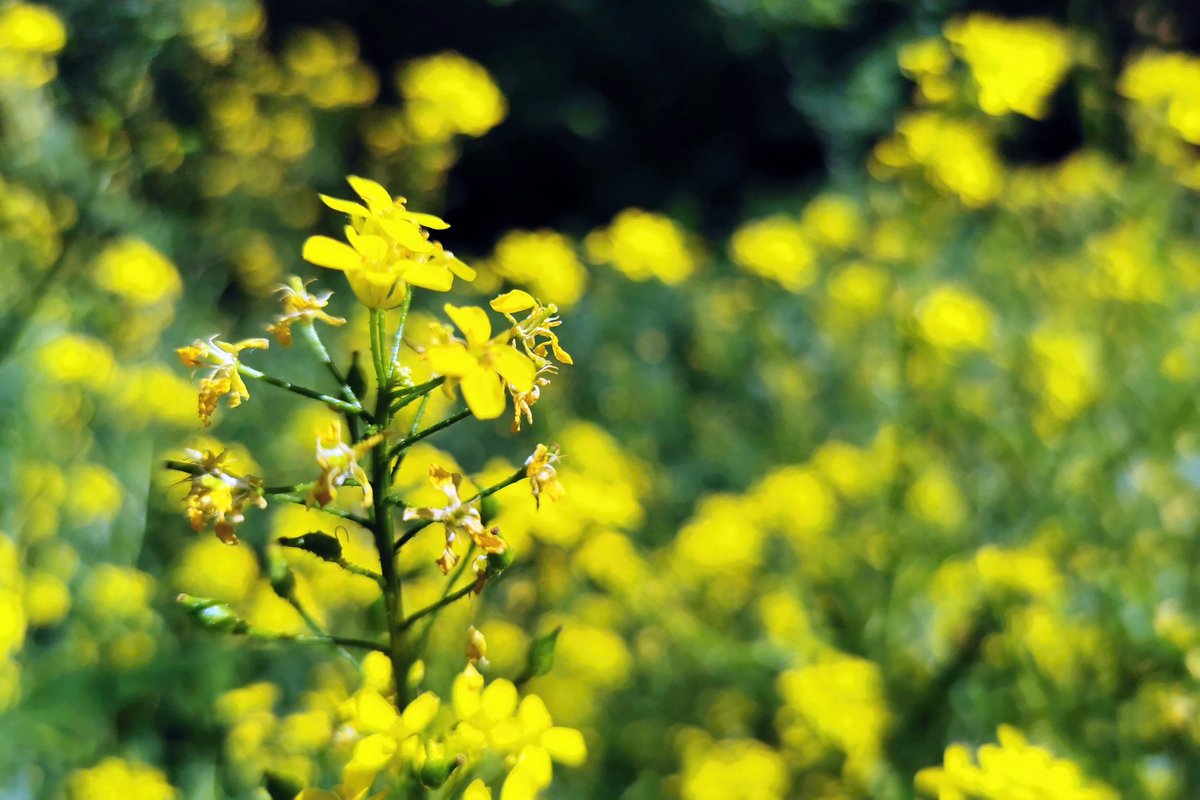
[
  {"x": 953, "y": 319},
  {"x": 457, "y": 518},
  {"x": 544, "y": 261},
  {"x": 222, "y": 358},
  {"x": 776, "y": 248},
  {"x": 338, "y": 462},
  {"x": 300, "y": 307},
  {"x": 543, "y": 477},
  {"x": 116, "y": 777},
  {"x": 483, "y": 365},
  {"x": 219, "y": 497}
]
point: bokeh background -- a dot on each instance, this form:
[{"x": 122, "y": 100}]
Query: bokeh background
[{"x": 882, "y": 447}]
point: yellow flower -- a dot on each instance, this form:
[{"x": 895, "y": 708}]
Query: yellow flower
[
  {"x": 135, "y": 271},
  {"x": 482, "y": 365},
  {"x": 543, "y": 477},
  {"x": 449, "y": 94},
  {"x": 219, "y": 496},
  {"x": 300, "y": 307},
  {"x": 339, "y": 461},
  {"x": 476, "y": 646},
  {"x": 388, "y": 248},
  {"x": 953, "y": 319},
  {"x": 456, "y": 518},
  {"x": 224, "y": 379}
]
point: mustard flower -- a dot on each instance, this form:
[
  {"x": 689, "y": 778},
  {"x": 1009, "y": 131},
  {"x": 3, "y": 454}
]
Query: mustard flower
[
  {"x": 339, "y": 461},
  {"x": 300, "y": 307},
  {"x": 457, "y": 518},
  {"x": 482, "y": 364},
  {"x": 543, "y": 477},
  {"x": 219, "y": 497},
  {"x": 224, "y": 379},
  {"x": 387, "y": 250}
]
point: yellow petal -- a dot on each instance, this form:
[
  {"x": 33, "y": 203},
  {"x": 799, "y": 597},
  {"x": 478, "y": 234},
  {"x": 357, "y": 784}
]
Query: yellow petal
[
  {"x": 330, "y": 253},
  {"x": 464, "y": 694},
  {"x": 514, "y": 367},
  {"x": 369, "y": 246},
  {"x": 427, "y": 220},
  {"x": 478, "y": 790},
  {"x": 373, "y": 752},
  {"x": 406, "y": 234},
  {"x": 316, "y": 794},
  {"x": 484, "y": 394},
  {"x": 472, "y": 321},
  {"x": 514, "y": 301},
  {"x": 372, "y": 713},
  {"x": 565, "y": 745},
  {"x": 378, "y": 199},
  {"x": 452, "y": 359},
  {"x": 420, "y": 712},
  {"x": 345, "y": 206},
  {"x": 499, "y": 699},
  {"x": 533, "y": 715},
  {"x": 460, "y": 269},
  {"x": 430, "y": 276}
]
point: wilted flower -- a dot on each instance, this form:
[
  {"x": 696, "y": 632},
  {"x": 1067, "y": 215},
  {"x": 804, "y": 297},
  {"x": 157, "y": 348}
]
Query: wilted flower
[
  {"x": 456, "y": 517},
  {"x": 338, "y": 462},
  {"x": 300, "y": 307},
  {"x": 543, "y": 477},
  {"x": 219, "y": 497},
  {"x": 224, "y": 379}
]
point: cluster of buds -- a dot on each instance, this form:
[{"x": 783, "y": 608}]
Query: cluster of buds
[{"x": 219, "y": 497}]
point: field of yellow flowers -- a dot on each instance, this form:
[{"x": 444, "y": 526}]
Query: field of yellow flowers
[{"x": 887, "y": 491}]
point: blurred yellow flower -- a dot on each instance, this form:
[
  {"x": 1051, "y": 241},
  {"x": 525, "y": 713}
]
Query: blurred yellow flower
[
  {"x": 776, "y": 248},
  {"x": 954, "y": 320},
  {"x": 449, "y": 94},
  {"x": 643, "y": 245},
  {"x": 1017, "y": 64},
  {"x": 1010, "y": 770},
  {"x": 133, "y": 270},
  {"x": 30, "y": 35},
  {"x": 544, "y": 261},
  {"x": 115, "y": 777}
]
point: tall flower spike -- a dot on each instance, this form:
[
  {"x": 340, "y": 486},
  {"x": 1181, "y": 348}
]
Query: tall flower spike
[
  {"x": 543, "y": 477},
  {"x": 481, "y": 364},
  {"x": 219, "y": 497},
  {"x": 338, "y": 462},
  {"x": 456, "y": 517},
  {"x": 300, "y": 307},
  {"x": 222, "y": 358}
]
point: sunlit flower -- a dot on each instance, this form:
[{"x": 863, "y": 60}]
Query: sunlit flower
[
  {"x": 219, "y": 497},
  {"x": 543, "y": 477},
  {"x": 481, "y": 364},
  {"x": 457, "y": 518},
  {"x": 300, "y": 307},
  {"x": 388, "y": 248},
  {"x": 222, "y": 358},
  {"x": 540, "y": 321},
  {"x": 339, "y": 462}
]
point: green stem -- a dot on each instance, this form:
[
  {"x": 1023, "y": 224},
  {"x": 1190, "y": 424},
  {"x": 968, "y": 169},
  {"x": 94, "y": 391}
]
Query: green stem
[
  {"x": 340, "y": 405},
  {"x": 303, "y": 638},
  {"x": 410, "y": 393},
  {"x": 425, "y": 523},
  {"x": 377, "y": 327},
  {"x": 337, "y": 512},
  {"x": 309, "y": 332},
  {"x": 408, "y": 441},
  {"x": 423, "y": 639},
  {"x": 394, "y": 361},
  {"x": 446, "y": 600},
  {"x": 362, "y": 571}
]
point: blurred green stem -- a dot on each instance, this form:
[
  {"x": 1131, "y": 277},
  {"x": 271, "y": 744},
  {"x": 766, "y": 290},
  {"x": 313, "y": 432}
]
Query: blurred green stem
[{"x": 340, "y": 405}]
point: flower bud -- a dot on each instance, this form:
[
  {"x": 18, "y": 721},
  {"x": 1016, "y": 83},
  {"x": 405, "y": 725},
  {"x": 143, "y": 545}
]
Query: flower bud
[
  {"x": 211, "y": 614},
  {"x": 321, "y": 545},
  {"x": 435, "y": 771}
]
